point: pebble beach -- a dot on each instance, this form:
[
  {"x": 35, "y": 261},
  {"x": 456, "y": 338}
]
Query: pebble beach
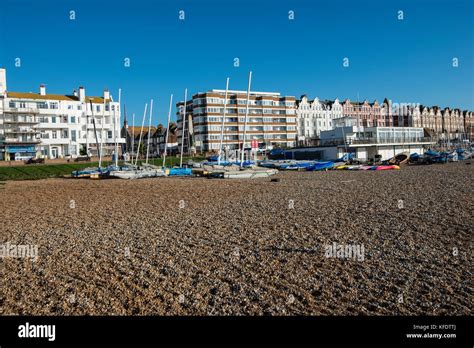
[{"x": 197, "y": 246}]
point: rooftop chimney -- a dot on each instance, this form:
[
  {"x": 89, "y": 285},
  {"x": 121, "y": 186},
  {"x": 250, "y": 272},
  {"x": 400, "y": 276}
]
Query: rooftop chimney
[
  {"x": 82, "y": 94},
  {"x": 106, "y": 94},
  {"x": 3, "y": 80},
  {"x": 42, "y": 90}
]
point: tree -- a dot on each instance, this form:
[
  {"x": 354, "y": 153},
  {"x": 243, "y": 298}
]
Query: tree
[{"x": 83, "y": 151}]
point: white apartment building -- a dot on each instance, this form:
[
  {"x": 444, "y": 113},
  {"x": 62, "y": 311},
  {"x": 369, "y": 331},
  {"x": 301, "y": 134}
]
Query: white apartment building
[
  {"x": 366, "y": 143},
  {"x": 271, "y": 121},
  {"x": 315, "y": 116},
  {"x": 56, "y": 125}
]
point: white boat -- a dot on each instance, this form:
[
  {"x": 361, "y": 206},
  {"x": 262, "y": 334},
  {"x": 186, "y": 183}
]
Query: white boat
[
  {"x": 249, "y": 173},
  {"x": 141, "y": 173}
]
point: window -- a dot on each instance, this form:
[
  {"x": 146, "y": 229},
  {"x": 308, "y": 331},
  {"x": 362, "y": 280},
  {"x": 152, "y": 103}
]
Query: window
[
  {"x": 65, "y": 134},
  {"x": 73, "y": 135},
  {"x": 53, "y": 105},
  {"x": 11, "y": 104},
  {"x": 54, "y": 135},
  {"x": 42, "y": 105},
  {"x": 73, "y": 149},
  {"x": 53, "y": 119},
  {"x": 214, "y": 110},
  {"x": 73, "y": 119},
  {"x": 109, "y": 134},
  {"x": 79, "y": 107},
  {"x": 215, "y": 101},
  {"x": 97, "y": 108}
]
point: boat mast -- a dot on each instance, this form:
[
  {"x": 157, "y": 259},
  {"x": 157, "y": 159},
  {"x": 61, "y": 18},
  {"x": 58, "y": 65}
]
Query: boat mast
[
  {"x": 102, "y": 133},
  {"x": 133, "y": 137},
  {"x": 95, "y": 131},
  {"x": 184, "y": 128},
  {"x": 149, "y": 131},
  {"x": 87, "y": 127},
  {"x": 223, "y": 121},
  {"x": 115, "y": 128},
  {"x": 126, "y": 129},
  {"x": 141, "y": 133},
  {"x": 167, "y": 130},
  {"x": 245, "y": 122}
]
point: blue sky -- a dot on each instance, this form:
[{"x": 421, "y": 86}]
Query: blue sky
[{"x": 407, "y": 61}]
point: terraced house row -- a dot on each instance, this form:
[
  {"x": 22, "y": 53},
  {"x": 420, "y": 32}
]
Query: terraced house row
[{"x": 439, "y": 124}]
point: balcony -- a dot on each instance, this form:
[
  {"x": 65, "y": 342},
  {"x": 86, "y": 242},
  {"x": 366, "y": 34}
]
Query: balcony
[
  {"x": 50, "y": 125},
  {"x": 30, "y": 120},
  {"x": 21, "y": 141},
  {"x": 57, "y": 141},
  {"x": 98, "y": 126},
  {"x": 20, "y": 110},
  {"x": 20, "y": 131},
  {"x": 375, "y": 141}
]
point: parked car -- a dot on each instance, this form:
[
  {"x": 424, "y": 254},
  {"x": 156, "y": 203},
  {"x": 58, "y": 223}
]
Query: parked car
[
  {"x": 20, "y": 157},
  {"x": 34, "y": 160},
  {"x": 82, "y": 159}
]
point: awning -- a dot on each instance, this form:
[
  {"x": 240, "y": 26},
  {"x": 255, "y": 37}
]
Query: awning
[{"x": 15, "y": 149}]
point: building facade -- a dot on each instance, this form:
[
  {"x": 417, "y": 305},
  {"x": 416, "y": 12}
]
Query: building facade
[
  {"x": 271, "y": 121},
  {"x": 315, "y": 116},
  {"x": 367, "y": 114},
  {"x": 160, "y": 143},
  {"x": 468, "y": 120},
  {"x": 365, "y": 143},
  {"x": 447, "y": 124},
  {"x": 157, "y": 140},
  {"x": 55, "y": 125}
]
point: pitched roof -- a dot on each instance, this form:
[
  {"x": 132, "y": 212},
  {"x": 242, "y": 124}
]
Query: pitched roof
[
  {"x": 30, "y": 95},
  {"x": 135, "y": 131}
]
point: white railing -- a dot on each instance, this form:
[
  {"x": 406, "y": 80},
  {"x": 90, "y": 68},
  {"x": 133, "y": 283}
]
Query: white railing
[
  {"x": 24, "y": 141},
  {"x": 20, "y": 110}
]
